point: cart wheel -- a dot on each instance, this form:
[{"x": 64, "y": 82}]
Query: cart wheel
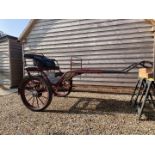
[
  {"x": 64, "y": 89},
  {"x": 36, "y": 93}
]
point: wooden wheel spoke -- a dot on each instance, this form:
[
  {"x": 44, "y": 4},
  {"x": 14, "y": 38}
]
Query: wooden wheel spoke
[
  {"x": 28, "y": 93},
  {"x": 29, "y": 86},
  {"x": 40, "y": 100},
  {"x": 30, "y": 99},
  {"x": 37, "y": 102},
  {"x": 33, "y": 101},
  {"x": 44, "y": 97},
  {"x": 28, "y": 90}
]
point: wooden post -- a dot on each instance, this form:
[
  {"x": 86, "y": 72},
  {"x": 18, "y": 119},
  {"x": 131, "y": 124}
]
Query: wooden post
[
  {"x": 154, "y": 53},
  {"x": 23, "y": 60}
]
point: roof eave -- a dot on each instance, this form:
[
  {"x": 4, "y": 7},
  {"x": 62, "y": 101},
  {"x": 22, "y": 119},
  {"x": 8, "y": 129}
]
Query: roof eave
[
  {"x": 27, "y": 29},
  {"x": 150, "y": 21},
  {"x": 6, "y": 37}
]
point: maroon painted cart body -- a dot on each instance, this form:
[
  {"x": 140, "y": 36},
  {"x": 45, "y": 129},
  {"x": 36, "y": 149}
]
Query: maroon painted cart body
[{"x": 45, "y": 79}]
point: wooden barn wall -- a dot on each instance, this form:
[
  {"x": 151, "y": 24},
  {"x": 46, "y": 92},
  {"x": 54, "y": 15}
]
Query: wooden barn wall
[
  {"x": 16, "y": 62},
  {"x": 4, "y": 63},
  {"x": 103, "y": 44}
]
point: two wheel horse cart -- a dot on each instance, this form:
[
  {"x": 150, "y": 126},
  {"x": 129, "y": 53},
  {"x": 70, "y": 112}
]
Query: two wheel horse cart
[{"x": 45, "y": 79}]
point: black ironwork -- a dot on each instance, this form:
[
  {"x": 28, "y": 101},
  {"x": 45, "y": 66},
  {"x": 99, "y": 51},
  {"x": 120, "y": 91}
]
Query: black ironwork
[{"x": 143, "y": 94}]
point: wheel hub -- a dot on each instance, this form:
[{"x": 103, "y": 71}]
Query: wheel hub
[{"x": 35, "y": 93}]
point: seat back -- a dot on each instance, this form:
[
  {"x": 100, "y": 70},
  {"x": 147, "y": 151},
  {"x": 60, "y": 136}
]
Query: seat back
[{"x": 41, "y": 61}]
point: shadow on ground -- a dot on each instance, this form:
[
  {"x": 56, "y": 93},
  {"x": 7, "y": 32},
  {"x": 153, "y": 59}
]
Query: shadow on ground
[{"x": 96, "y": 106}]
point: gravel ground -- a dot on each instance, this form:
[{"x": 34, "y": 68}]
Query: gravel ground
[{"x": 80, "y": 113}]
